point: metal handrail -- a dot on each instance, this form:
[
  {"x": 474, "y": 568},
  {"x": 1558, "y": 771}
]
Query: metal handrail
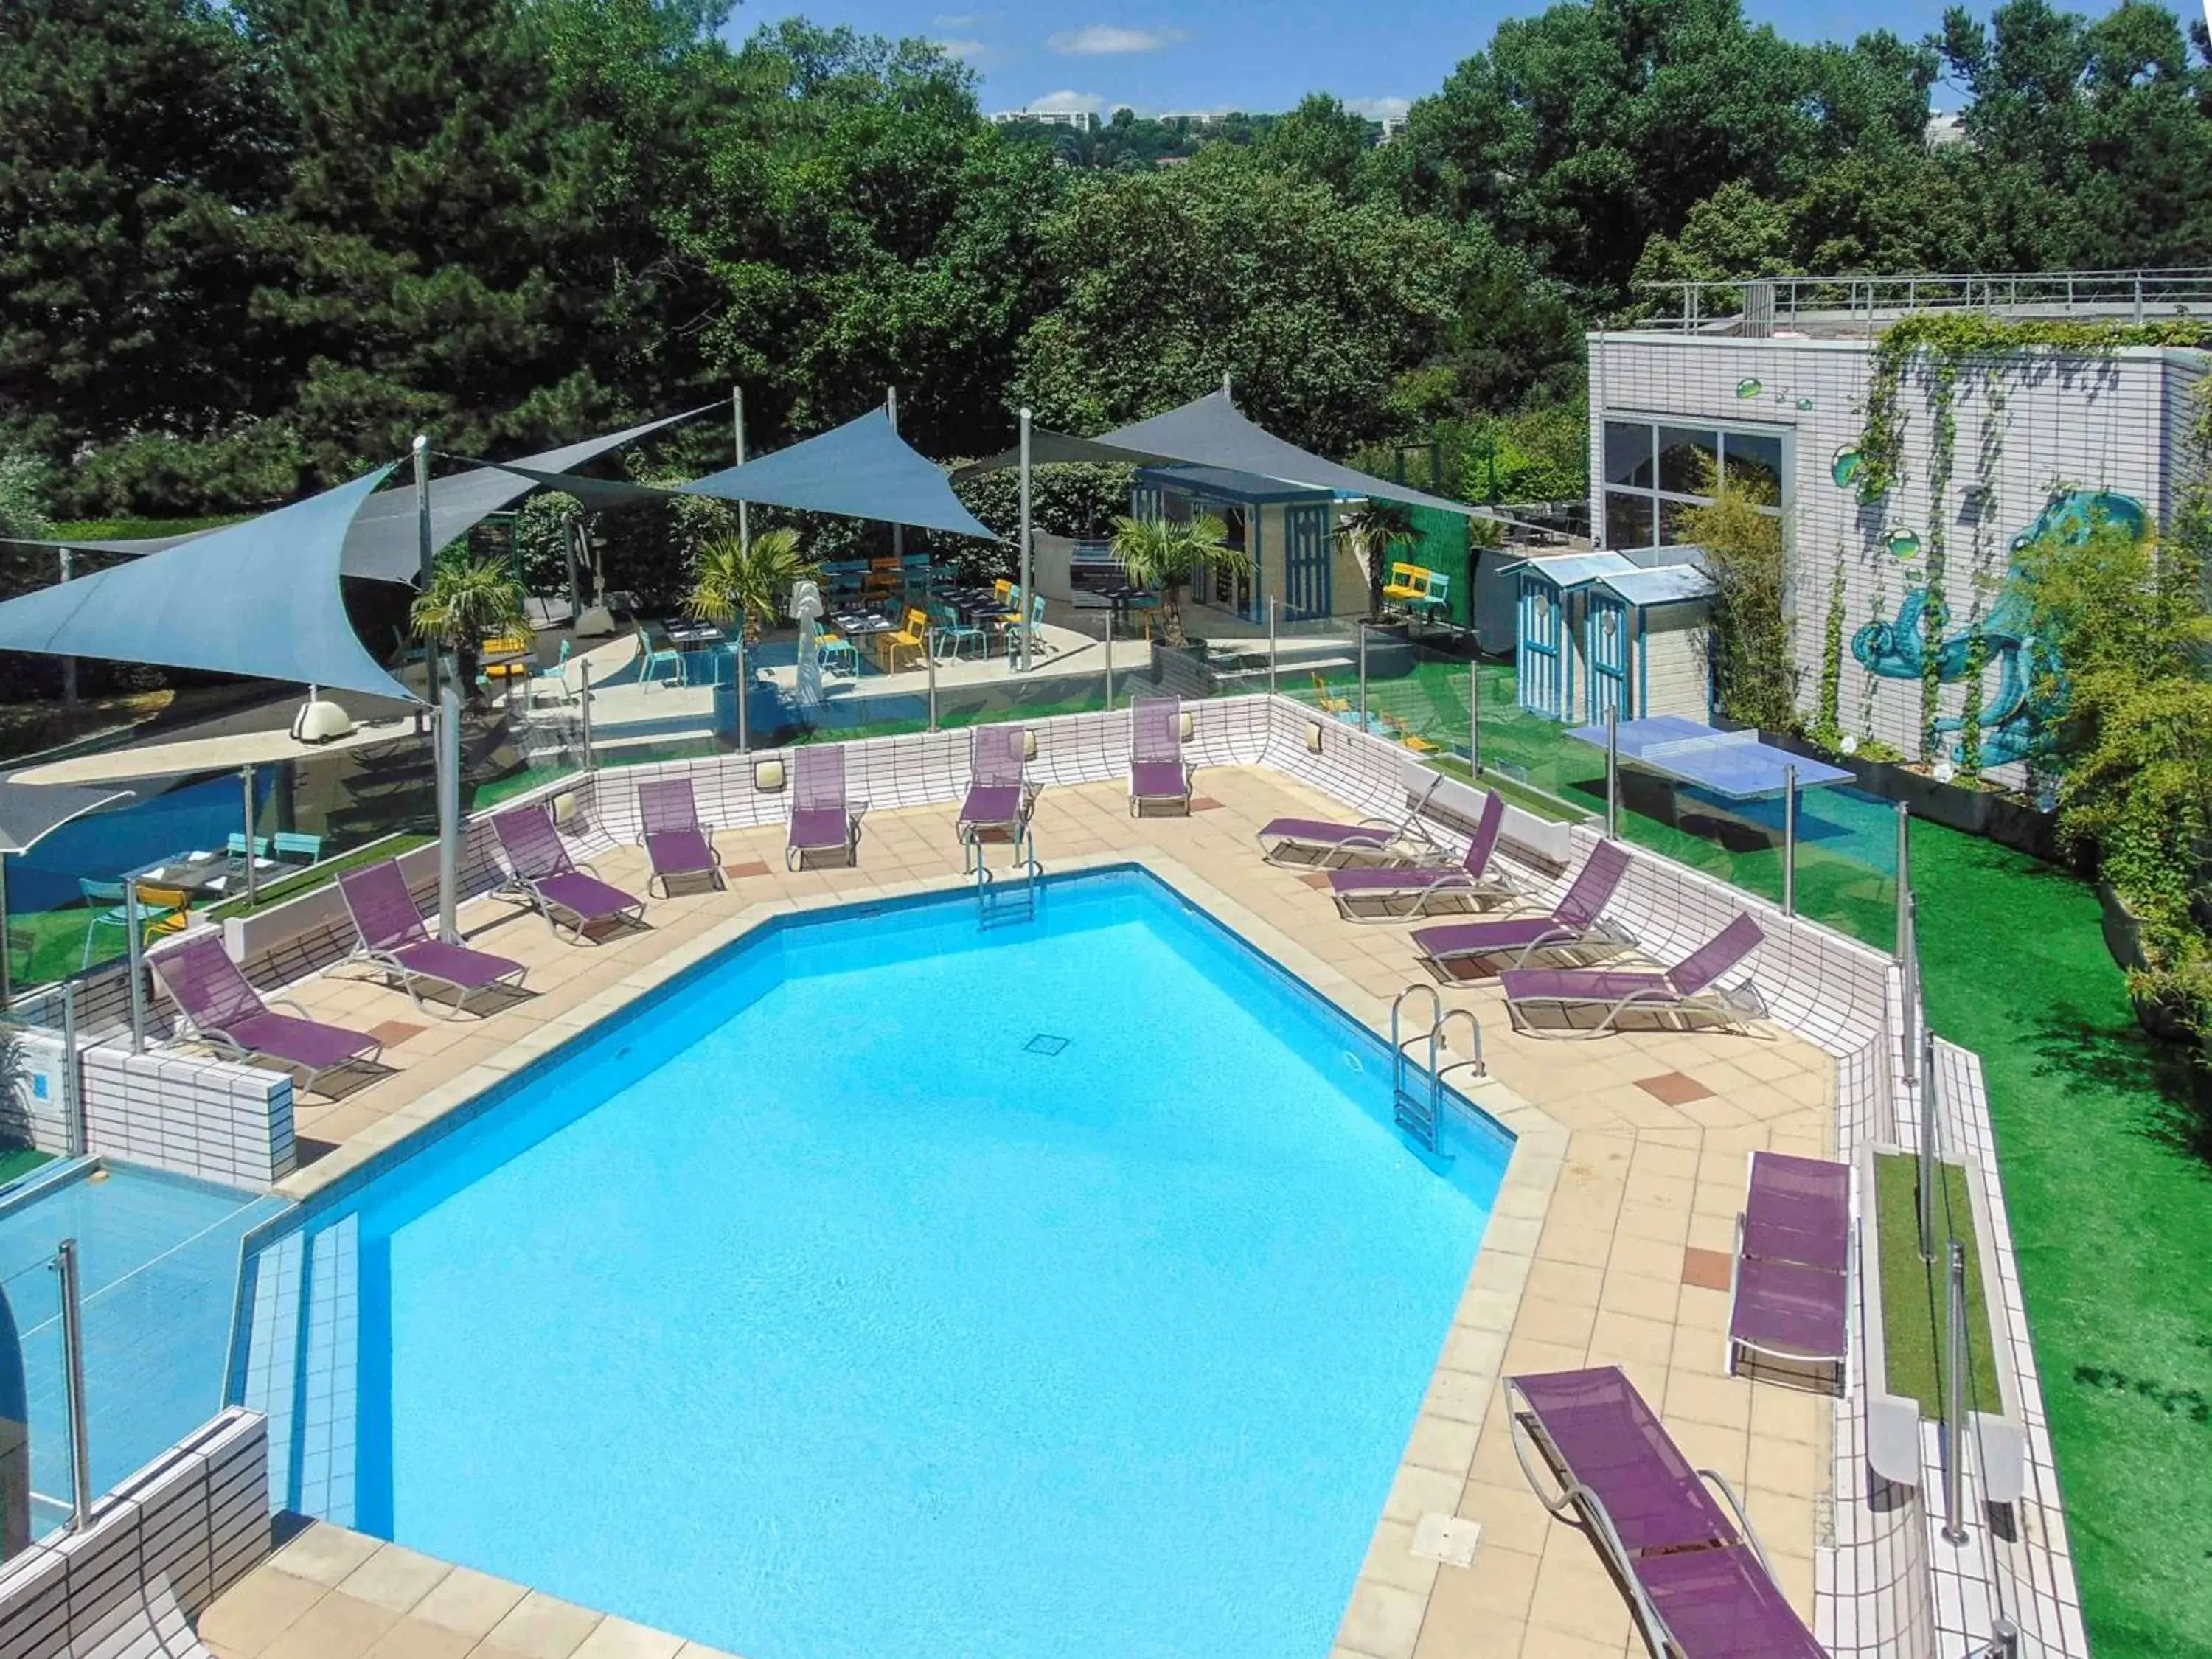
[{"x": 2138, "y": 294}]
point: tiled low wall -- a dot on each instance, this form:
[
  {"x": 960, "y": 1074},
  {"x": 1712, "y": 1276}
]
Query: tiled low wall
[{"x": 198, "y": 1517}]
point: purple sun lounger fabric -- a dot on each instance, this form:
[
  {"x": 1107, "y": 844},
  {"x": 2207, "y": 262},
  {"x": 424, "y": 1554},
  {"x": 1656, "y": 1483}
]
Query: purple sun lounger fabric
[
  {"x": 1393, "y": 893},
  {"x": 392, "y": 937},
  {"x": 998, "y": 794},
  {"x": 676, "y": 843},
  {"x": 1686, "y": 991},
  {"x": 1791, "y": 1296},
  {"x": 1697, "y": 1576},
  {"x": 821, "y": 817},
  {"x": 1576, "y": 921},
  {"x": 1157, "y": 777},
  {"x": 1302, "y": 843},
  {"x": 553, "y": 883},
  {"x": 228, "y": 1014}
]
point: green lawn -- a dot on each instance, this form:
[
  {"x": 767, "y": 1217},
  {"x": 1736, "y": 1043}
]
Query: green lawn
[
  {"x": 20, "y": 1161},
  {"x": 1916, "y": 1293}
]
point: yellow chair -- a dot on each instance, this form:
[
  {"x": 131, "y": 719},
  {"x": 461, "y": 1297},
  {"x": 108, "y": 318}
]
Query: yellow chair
[
  {"x": 1411, "y": 738},
  {"x": 1407, "y": 582},
  {"x": 518, "y": 648},
  {"x": 913, "y": 637},
  {"x": 174, "y": 905},
  {"x": 1329, "y": 705}
]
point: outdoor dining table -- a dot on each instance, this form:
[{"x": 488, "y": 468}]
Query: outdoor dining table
[{"x": 209, "y": 875}]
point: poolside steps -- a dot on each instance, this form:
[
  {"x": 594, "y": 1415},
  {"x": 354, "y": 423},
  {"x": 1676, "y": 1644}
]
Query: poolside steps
[{"x": 302, "y": 1367}]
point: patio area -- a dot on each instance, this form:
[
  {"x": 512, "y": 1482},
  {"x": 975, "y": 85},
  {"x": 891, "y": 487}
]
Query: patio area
[{"x": 1611, "y": 1244}]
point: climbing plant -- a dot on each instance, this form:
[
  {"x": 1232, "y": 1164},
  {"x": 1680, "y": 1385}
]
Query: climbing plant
[
  {"x": 1828, "y": 722},
  {"x": 1943, "y": 398},
  {"x": 1755, "y": 673},
  {"x": 1970, "y": 716}
]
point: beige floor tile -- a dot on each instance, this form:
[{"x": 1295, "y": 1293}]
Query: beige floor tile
[
  {"x": 323, "y": 1554},
  {"x": 252, "y": 1613},
  {"x": 410, "y": 1638},
  {"x": 394, "y": 1578},
  {"x": 339, "y": 1626},
  {"x": 618, "y": 1638},
  {"x": 468, "y": 1601},
  {"x": 540, "y": 1626}
]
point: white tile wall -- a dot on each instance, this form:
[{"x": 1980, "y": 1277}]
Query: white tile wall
[
  {"x": 2109, "y": 423},
  {"x": 186, "y": 1113}
]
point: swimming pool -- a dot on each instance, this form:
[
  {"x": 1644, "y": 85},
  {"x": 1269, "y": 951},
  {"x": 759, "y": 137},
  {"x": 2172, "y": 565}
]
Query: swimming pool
[{"x": 890, "y": 1285}]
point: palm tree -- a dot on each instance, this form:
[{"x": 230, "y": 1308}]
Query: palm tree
[
  {"x": 1369, "y": 532},
  {"x": 731, "y": 580},
  {"x": 468, "y": 602},
  {"x": 1163, "y": 554}
]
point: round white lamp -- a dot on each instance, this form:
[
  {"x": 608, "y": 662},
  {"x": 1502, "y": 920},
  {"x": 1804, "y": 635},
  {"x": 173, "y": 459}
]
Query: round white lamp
[
  {"x": 1944, "y": 771},
  {"x": 319, "y": 720}
]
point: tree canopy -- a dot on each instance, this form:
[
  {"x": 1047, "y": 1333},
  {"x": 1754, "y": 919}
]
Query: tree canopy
[{"x": 247, "y": 246}]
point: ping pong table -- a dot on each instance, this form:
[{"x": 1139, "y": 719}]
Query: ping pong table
[{"x": 1736, "y": 766}]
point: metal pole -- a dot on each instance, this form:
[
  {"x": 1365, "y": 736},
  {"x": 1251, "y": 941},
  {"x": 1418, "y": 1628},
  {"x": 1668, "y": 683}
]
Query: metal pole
[
  {"x": 73, "y": 1129},
  {"x": 1224, "y": 384},
  {"x": 69, "y": 664},
  {"x": 252, "y": 882},
  {"x": 1909, "y": 984},
  {"x": 1474, "y": 712},
  {"x": 739, "y": 670},
  {"x": 73, "y": 1365},
  {"x": 568, "y": 552},
  {"x": 929, "y": 664},
  {"x": 1931, "y": 1155},
  {"x": 1954, "y": 1405},
  {"x": 1028, "y": 600},
  {"x": 898, "y": 531},
  {"x": 449, "y": 809},
  {"x": 134, "y": 951},
  {"x": 738, "y": 425},
  {"x": 584, "y": 708},
  {"x": 426, "y": 551},
  {"x": 1272, "y": 603},
  {"x": 1789, "y": 840},
  {"x": 6, "y": 988},
  {"x": 1612, "y": 773},
  {"x": 1109, "y": 662},
  {"x": 1361, "y": 626},
  {"x": 1904, "y": 872}
]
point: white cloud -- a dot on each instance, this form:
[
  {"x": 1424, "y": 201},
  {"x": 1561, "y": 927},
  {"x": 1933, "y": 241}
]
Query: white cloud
[
  {"x": 1379, "y": 109},
  {"x": 973, "y": 51},
  {"x": 1089, "y": 103},
  {"x": 963, "y": 20},
  {"x": 1106, "y": 40}
]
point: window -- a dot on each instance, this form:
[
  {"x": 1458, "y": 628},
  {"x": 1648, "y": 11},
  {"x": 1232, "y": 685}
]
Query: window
[{"x": 1655, "y": 473}]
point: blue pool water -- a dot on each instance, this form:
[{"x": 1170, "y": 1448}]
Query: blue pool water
[
  {"x": 894, "y": 1286},
  {"x": 158, "y": 1271}
]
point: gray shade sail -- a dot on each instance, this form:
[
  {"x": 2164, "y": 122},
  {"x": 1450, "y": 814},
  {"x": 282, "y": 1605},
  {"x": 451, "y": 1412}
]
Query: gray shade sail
[
  {"x": 29, "y": 812},
  {"x": 1210, "y": 432},
  {"x": 1048, "y": 448},
  {"x": 861, "y": 470},
  {"x": 600, "y": 495},
  {"x": 259, "y": 598},
  {"x": 385, "y": 544}
]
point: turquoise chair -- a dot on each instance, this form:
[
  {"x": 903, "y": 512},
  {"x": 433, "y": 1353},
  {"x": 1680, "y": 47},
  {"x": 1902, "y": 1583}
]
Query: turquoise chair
[
  {"x": 237, "y": 844},
  {"x": 667, "y": 658},
  {"x": 118, "y": 914},
  {"x": 1034, "y": 628},
  {"x": 836, "y": 649},
  {"x": 951, "y": 634},
  {"x": 297, "y": 844}
]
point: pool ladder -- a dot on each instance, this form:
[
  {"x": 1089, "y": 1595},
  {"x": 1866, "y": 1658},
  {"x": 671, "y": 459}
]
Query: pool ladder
[
  {"x": 1420, "y": 1114},
  {"x": 1014, "y": 897}
]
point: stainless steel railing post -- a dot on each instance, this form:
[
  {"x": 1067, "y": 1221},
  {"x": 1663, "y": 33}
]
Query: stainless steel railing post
[
  {"x": 65, "y": 1265},
  {"x": 1954, "y": 1401},
  {"x": 1930, "y": 1145},
  {"x": 1612, "y": 773},
  {"x": 74, "y": 1136},
  {"x": 1362, "y": 628},
  {"x": 584, "y": 709},
  {"x": 1271, "y": 645},
  {"x": 1789, "y": 840}
]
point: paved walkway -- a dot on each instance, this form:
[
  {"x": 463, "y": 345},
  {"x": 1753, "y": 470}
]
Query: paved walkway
[{"x": 1627, "y": 1258}]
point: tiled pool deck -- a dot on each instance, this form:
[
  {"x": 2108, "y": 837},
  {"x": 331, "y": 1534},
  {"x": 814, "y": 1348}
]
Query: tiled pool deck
[{"x": 1609, "y": 1245}]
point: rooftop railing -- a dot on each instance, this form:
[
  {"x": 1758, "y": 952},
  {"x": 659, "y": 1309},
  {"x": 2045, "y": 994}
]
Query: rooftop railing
[{"x": 1757, "y": 307}]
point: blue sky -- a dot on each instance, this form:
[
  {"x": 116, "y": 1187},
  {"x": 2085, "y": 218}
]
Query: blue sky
[{"x": 1240, "y": 54}]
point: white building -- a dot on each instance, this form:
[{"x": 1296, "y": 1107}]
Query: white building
[
  {"x": 1082, "y": 121},
  {"x": 2041, "y": 442}
]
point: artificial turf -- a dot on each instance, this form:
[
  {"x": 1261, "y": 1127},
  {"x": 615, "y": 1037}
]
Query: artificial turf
[{"x": 1915, "y": 1291}]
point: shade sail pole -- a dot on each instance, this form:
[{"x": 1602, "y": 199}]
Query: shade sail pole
[
  {"x": 737, "y": 431},
  {"x": 69, "y": 664},
  {"x": 7, "y": 989},
  {"x": 1224, "y": 387},
  {"x": 898, "y": 531},
  {"x": 1025, "y": 623},
  {"x": 445, "y": 727}
]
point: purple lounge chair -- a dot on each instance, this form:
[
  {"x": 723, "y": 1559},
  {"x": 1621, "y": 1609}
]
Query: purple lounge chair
[
  {"x": 1790, "y": 1295},
  {"x": 1157, "y": 777},
  {"x": 392, "y": 936},
  {"x": 1697, "y": 1577},
  {"x": 1687, "y": 991},
  {"x": 1405, "y": 893},
  {"x": 1577, "y": 925},
  {"x": 823, "y": 821},
  {"x": 1316, "y": 843},
  {"x": 229, "y": 1015},
  {"x": 998, "y": 795},
  {"x": 676, "y": 842},
  {"x": 553, "y": 883}
]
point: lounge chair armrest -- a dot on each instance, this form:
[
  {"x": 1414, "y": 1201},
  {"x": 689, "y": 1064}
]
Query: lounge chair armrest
[
  {"x": 1544, "y": 940},
  {"x": 296, "y": 1007},
  {"x": 1720, "y": 1482}
]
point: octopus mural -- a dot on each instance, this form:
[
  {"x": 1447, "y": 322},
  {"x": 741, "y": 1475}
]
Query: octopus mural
[{"x": 1897, "y": 649}]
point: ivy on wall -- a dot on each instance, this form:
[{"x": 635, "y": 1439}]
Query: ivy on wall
[{"x": 1828, "y": 723}]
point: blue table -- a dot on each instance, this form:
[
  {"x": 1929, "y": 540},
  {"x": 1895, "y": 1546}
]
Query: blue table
[{"x": 1735, "y": 766}]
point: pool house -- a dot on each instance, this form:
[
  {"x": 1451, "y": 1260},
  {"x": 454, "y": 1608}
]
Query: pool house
[{"x": 1599, "y": 633}]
